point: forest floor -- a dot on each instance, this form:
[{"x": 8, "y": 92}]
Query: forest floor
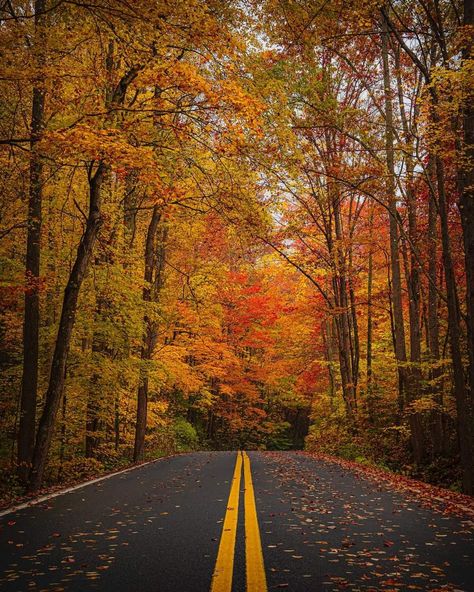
[{"x": 324, "y": 524}]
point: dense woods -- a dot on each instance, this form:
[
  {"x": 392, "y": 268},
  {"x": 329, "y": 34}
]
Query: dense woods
[{"x": 236, "y": 225}]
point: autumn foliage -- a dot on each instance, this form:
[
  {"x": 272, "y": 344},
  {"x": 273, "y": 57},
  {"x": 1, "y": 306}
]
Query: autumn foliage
[{"x": 236, "y": 225}]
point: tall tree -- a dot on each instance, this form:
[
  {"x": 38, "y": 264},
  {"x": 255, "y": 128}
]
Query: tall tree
[
  {"x": 31, "y": 323},
  {"x": 155, "y": 249}
]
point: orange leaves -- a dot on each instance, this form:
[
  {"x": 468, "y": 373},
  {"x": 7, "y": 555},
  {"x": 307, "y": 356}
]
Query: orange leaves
[{"x": 180, "y": 75}]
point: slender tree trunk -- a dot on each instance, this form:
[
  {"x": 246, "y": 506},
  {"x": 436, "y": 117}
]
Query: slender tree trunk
[
  {"x": 62, "y": 445},
  {"x": 116, "y": 423},
  {"x": 463, "y": 408},
  {"x": 343, "y": 312},
  {"x": 354, "y": 326},
  {"x": 130, "y": 207},
  {"x": 66, "y": 324},
  {"x": 412, "y": 275},
  {"x": 93, "y": 414},
  {"x": 399, "y": 329},
  {"x": 327, "y": 333},
  {"x": 370, "y": 273},
  {"x": 154, "y": 268},
  {"x": 432, "y": 325},
  {"x": 29, "y": 386},
  {"x": 466, "y": 209}
]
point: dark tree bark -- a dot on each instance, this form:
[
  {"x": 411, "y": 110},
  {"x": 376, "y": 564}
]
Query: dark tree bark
[
  {"x": 370, "y": 274},
  {"x": 31, "y": 322},
  {"x": 66, "y": 324},
  {"x": 466, "y": 209},
  {"x": 154, "y": 277},
  {"x": 463, "y": 408},
  {"x": 463, "y": 395}
]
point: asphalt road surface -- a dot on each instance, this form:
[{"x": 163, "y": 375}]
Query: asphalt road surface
[{"x": 266, "y": 521}]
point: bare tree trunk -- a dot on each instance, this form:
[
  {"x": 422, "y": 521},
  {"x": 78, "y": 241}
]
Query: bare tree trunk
[
  {"x": 31, "y": 321},
  {"x": 66, "y": 324}
]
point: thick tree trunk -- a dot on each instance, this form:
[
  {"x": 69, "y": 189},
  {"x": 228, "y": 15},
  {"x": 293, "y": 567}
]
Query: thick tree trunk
[
  {"x": 66, "y": 324},
  {"x": 29, "y": 385},
  {"x": 154, "y": 277}
]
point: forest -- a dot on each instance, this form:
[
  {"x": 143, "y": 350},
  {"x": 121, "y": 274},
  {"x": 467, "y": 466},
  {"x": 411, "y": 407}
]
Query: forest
[{"x": 230, "y": 224}]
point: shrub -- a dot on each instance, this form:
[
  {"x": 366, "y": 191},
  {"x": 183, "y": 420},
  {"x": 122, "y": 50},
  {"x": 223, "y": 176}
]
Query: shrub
[{"x": 185, "y": 434}]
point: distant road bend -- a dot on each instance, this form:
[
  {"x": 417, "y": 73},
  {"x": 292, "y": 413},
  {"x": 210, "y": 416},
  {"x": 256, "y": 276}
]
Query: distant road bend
[{"x": 235, "y": 522}]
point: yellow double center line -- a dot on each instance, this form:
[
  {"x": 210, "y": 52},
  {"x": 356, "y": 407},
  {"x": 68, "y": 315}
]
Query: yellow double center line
[{"x": 224, "y": 569}]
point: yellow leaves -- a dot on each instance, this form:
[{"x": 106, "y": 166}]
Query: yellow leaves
[
  {"x": 197, "y": 87},
  {"x": 156, "y": 413},
  {"x": 423, "y": 404},
  {"x": 243, "y": 101},
  {"x": 91, "y": 143},
  {"x": 444, "y": 98}
]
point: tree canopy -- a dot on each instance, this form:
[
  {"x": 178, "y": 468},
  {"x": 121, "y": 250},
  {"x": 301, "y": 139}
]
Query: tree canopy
[{"x": 236, "y": 225}]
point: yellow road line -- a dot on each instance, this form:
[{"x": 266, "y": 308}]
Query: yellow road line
[
  {"x": 256, "y": 579},
  {"x": 224, "y": 568}
]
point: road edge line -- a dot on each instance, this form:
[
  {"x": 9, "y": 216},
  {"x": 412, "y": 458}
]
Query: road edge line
[{"x": 38, "y": 500}]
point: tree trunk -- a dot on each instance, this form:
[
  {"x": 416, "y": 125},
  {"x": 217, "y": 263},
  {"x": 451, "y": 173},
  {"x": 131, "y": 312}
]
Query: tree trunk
[
  {"x": 343, "y": 308},
  {"x": 463, "y": 410},
  {"x": 412, "y": 275},
  {"x": 399, "y": 329},
  {"x": 327, "y": 334},
  {"x": 29, "y": 384},
  {"x": 432, "y": 325},
  {"x": 154, "y": 267},
  {"x": 466, "y": 209},
  {"x": 66, "y": 324},
  {"x": 370, "y": 274}
]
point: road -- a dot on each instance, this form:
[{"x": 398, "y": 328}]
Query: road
[{"x": 290, "y": 521}]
